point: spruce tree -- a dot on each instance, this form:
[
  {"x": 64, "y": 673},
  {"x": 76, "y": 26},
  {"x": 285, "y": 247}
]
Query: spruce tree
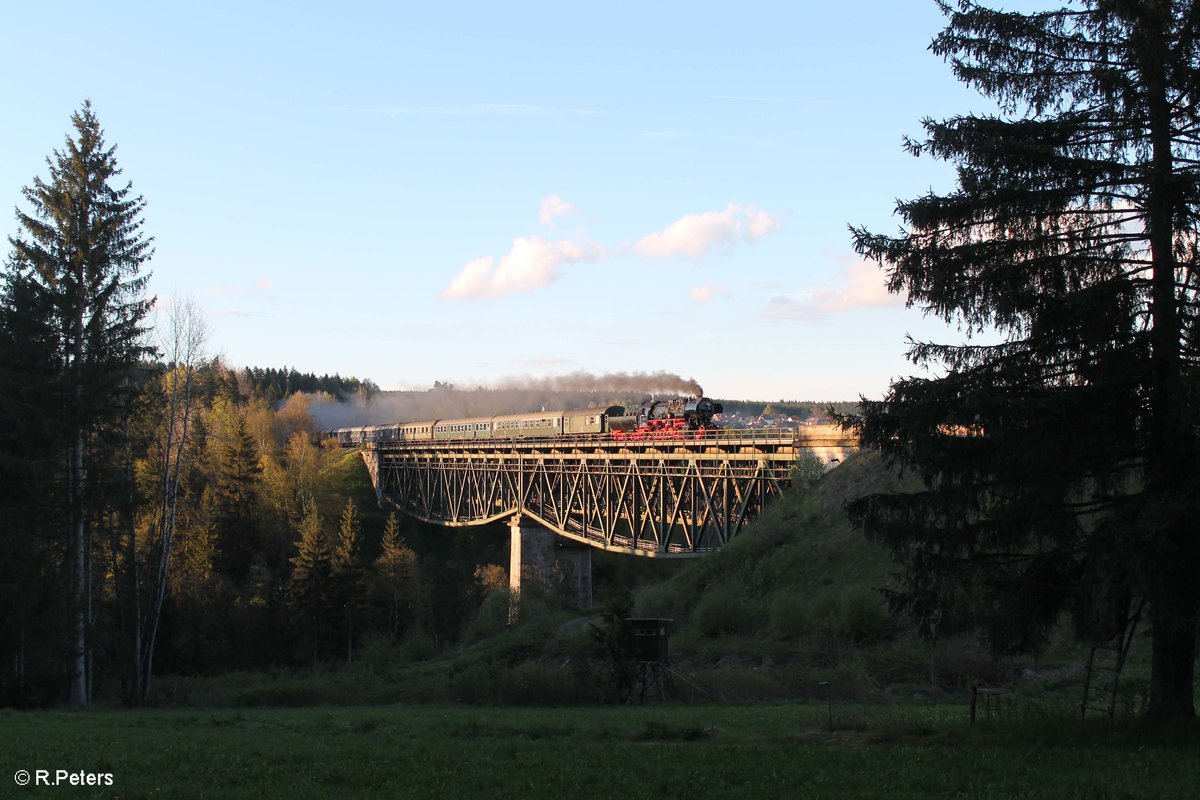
[
  {"x": 348, "y": 572},
  {"x": 1060, "y": 462},
  {"x": 398, "y": 579},
  {"x": 235, "y": 494},
  {"x": 312, "y": 573},
  {"x": 80, "y": 247}
]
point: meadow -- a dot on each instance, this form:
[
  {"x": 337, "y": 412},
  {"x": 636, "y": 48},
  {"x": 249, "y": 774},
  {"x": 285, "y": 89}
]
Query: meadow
[{"x": 729, "y": 751}]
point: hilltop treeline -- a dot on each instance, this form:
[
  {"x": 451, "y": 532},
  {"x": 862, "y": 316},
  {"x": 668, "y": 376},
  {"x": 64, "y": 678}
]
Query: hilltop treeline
[{"x": 273, "y": 385}]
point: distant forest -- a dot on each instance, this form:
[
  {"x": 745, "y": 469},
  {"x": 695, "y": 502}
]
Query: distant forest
[
  {"x": 274, "y": 385},
  {"x": 800, "y": 410}
]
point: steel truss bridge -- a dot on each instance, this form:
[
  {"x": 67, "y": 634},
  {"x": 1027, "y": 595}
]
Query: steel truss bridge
[{"x": 664, "y": 498}]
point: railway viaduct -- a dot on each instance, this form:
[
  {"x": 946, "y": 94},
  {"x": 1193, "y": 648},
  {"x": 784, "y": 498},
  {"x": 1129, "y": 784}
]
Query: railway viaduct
[{"x": 564, "y": 496}]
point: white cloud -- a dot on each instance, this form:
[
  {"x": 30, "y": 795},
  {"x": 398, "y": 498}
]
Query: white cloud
[
  {"x": 863, "y": 285},
  {"x": 530, "y": 264},
  {"x": 553, "y": 206},
  {"x": 859, "y": 285},
  {"x": 696, "y": 235},
  {"x": 705, "y": 292}
]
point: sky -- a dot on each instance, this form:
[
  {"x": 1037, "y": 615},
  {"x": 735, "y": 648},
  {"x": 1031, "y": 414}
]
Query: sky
[{"x": 474, "y": 192}]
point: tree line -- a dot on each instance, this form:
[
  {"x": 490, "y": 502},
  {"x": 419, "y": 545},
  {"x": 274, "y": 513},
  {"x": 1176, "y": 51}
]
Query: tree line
[{"x": 274, "y": 385}]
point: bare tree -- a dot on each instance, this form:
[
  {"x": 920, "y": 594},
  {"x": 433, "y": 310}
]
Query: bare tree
[{"x": 183, "y": 338}]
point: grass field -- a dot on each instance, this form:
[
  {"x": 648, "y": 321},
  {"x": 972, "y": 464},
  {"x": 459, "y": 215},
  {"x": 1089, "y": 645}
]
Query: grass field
[{"x": 753, "y": 751}]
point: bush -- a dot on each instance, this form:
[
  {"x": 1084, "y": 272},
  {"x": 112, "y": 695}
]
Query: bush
[
  {"x": 416, "y": 646},
  {"x": 657, "y": 600},
  {"x": 476, "y": 684},
  {"x": 536, "y": 683},
  {"x": 788, "y": 615},
  {"x": 492, "y": 619},
  {"x": 377, "y": 654},
  {"x": 825, "y": 613},
  {"x": 862, "y": 618},
  {"x": 721, "y": 611}
]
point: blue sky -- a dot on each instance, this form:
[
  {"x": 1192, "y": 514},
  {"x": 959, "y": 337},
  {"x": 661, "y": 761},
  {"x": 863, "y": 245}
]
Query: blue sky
[{"x": 474, "y": 192}]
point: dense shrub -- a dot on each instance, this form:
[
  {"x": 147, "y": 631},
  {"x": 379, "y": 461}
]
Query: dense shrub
[
  {"x": 416, "y": 645},
  {"x": 788, "y": 615},
  {"x": 657, "y": 600},
  {"x": 721, "y": 611},
  {"x": 492, "y": 618},
  {"x": 863, "y": 618}
]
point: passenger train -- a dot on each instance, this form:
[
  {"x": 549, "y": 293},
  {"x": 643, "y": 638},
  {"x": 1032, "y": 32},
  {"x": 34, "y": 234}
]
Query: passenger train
[{"x": 655, "y": 419}]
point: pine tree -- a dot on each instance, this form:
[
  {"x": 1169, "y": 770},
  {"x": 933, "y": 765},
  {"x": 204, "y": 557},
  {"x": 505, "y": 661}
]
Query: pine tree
[
  {"x": 398, "y": 579},
  {"x": 236, "y": 498},
  {"x": 81, "y": 247},
  {"x": 1061, "y": 462},
  {"x": 312, "y": 573},
  {"x": 348, "y": 572}
]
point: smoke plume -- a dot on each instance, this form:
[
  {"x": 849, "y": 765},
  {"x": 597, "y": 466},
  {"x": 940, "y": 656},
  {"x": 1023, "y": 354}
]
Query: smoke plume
[
  {"x": 626, "y": 382},
  {"x": 507, "y": 396}
]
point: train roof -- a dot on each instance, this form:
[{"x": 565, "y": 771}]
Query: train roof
[{"x": 567, "y": 412}]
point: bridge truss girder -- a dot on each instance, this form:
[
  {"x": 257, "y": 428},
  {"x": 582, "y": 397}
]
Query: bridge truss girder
[{"x": 648, "y": 503}]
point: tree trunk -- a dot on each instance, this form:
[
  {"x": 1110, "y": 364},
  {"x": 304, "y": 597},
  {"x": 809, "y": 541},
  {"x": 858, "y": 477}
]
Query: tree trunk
[
  {"x": 77, "y": 687},
  {"x": 1173, "y": 624},
  {"x": 1171, "y": 553}
]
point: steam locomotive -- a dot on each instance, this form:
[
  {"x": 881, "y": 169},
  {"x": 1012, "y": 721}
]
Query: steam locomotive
[{"x": 676, "y": 418}]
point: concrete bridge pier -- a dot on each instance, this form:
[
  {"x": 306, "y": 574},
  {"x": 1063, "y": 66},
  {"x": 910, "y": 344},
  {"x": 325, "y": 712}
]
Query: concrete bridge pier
[
  {"x": 530, "y": 555},
  {"x": 575, "y": 571},
  {"x": 534, "y": 559}
]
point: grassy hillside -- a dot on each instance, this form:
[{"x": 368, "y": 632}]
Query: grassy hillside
[{"x": 799, "y": 570}]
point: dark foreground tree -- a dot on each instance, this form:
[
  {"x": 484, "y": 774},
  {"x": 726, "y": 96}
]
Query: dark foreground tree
[
  {"x": 79, "y": 253},
  {"x": 1061, "y": 462}
]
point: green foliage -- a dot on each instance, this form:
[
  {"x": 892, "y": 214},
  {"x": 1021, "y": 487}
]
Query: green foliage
[
  {"x": 721, "y": 612},
  {"x": 808, "y": 471},
  {"x": 492, "y": 618},
  {"x": 417, "y": 645},
  {"x": 788, "y": 615},
  {"x": 863, "y": 618}
]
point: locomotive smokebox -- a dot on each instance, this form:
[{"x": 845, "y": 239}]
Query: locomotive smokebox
[{"x": 699, "y": 412}]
